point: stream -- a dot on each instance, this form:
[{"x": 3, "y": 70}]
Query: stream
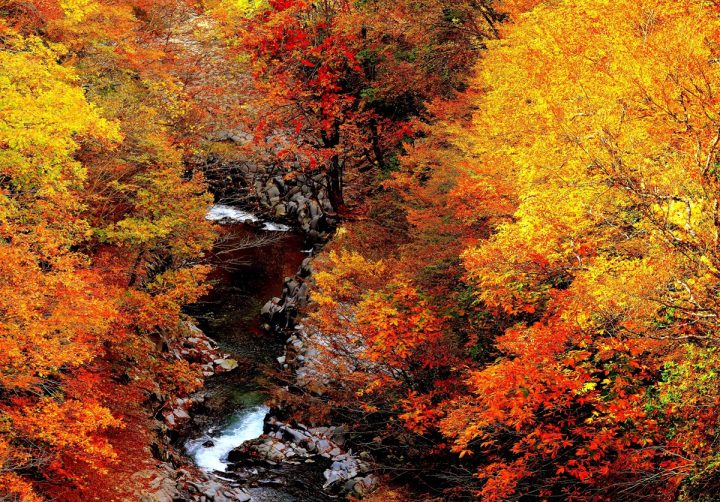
[
  {"x": 243, "y": 425},
  {"x": 245, "y": 277}
]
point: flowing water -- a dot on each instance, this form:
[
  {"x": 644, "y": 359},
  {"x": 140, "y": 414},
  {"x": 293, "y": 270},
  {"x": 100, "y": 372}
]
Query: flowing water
[
  {"x": 243, "y": 280},
  {"x": 210, "y": 452}
]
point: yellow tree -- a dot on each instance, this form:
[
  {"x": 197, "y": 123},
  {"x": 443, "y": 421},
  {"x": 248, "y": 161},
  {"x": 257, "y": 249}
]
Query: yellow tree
[
  {"x": 54, "y": 309},
  {"x": 603, "y": 116},
  {"x": 102, "y": 233}
]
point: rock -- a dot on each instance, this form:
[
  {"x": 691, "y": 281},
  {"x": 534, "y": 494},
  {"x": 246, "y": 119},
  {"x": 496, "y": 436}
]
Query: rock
[
  {"x": 291, "y": 286},
  {"x": 221, "y": 497},
  {"x": 194, "y": 328},
  {"x": 159, "y": 486},
  {"x": 292, "y": 209},
  {"x": 303, "y": 294},
  {"x": 305, "y": 267},
  {"x": 326, "y": 205},
  {"x": 181, "y": 414},
  {"x": 214, "y": 491},
  {"x": 344, "y": 468},
  {"x": 332, "y": 477},
  {"x": 271, "y": 307},
  {"x": 281, "y": 360},
  {"x": 315, "y": 222},
  {"x": 209, "y": 443},
  {"x": 296, "y": 436},
  {"x": 228, "y": 364},
  {"x": 315, "y": 210},
  {"x": 364, "y": 486},
  {"x": 273, "y": 192},
  {"x": 279, "y": 182},
  {"x": 297, "y": 444},
  {"x": 323, "y": 445}
]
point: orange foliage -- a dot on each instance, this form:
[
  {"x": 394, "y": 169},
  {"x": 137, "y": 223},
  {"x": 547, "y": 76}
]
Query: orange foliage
[
  {"x": 563, "y": 252},
  {"x": 101, "y": 234},
  {"x": 535, "y": 314}
]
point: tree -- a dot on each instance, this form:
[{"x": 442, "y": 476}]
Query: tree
[
  {"x": 337, "y": 82},
  {"x": 578, "y": 189},
  {"x": 55, "y": 309},
  {"x": 102, "y": 233},
  {"x": 602, "y": 119}
]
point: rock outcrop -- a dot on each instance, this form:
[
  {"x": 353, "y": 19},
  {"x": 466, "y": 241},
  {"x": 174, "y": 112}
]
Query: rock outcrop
[
  {"x": 167, "y": 484},
  {"x": 195, "y": 348},
  {"x": 301, "y": 200},
  {"x": 343, "y": 472},
  {"x": 280, "y": 313}
]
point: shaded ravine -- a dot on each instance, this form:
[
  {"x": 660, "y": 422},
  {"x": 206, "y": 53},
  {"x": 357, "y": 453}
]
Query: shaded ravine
[{"x": 251, "y": 260}]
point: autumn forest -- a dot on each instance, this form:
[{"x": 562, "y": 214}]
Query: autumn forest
[{"x": 382, "y": 250}]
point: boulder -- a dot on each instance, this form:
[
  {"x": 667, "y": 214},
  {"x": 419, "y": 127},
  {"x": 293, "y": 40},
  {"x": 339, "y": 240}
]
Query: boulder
[
  {"x": 290, "y": 287},
  {"x": 305, "y": 267},
  {"x": 292, "y": 209},
  {"x": 279, "y": 182},
  {"x": 181, "y": 414},
  {"x": 273, "y": 192},
  {"x": 364, "y": 486},
  {"x": 159, "y": 486},
  {"x": 227, "y": 364},
  {"x": 315, "y": 210}
]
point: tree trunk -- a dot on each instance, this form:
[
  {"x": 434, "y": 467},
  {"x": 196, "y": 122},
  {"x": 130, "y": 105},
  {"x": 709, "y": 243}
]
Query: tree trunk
[
  {"x": 375, "y": 141},
  {"x": 334, "y": 173},
  {"x": 335, "y": 184}
]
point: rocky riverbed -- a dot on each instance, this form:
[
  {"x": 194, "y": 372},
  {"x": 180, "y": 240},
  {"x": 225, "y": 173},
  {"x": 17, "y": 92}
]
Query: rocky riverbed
[
  {"x": 301, "y": 201},
  {"x": 320, "y": 448},
  {"x": 239, "y": 449},
  {"x": 251, "y": 259}
]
